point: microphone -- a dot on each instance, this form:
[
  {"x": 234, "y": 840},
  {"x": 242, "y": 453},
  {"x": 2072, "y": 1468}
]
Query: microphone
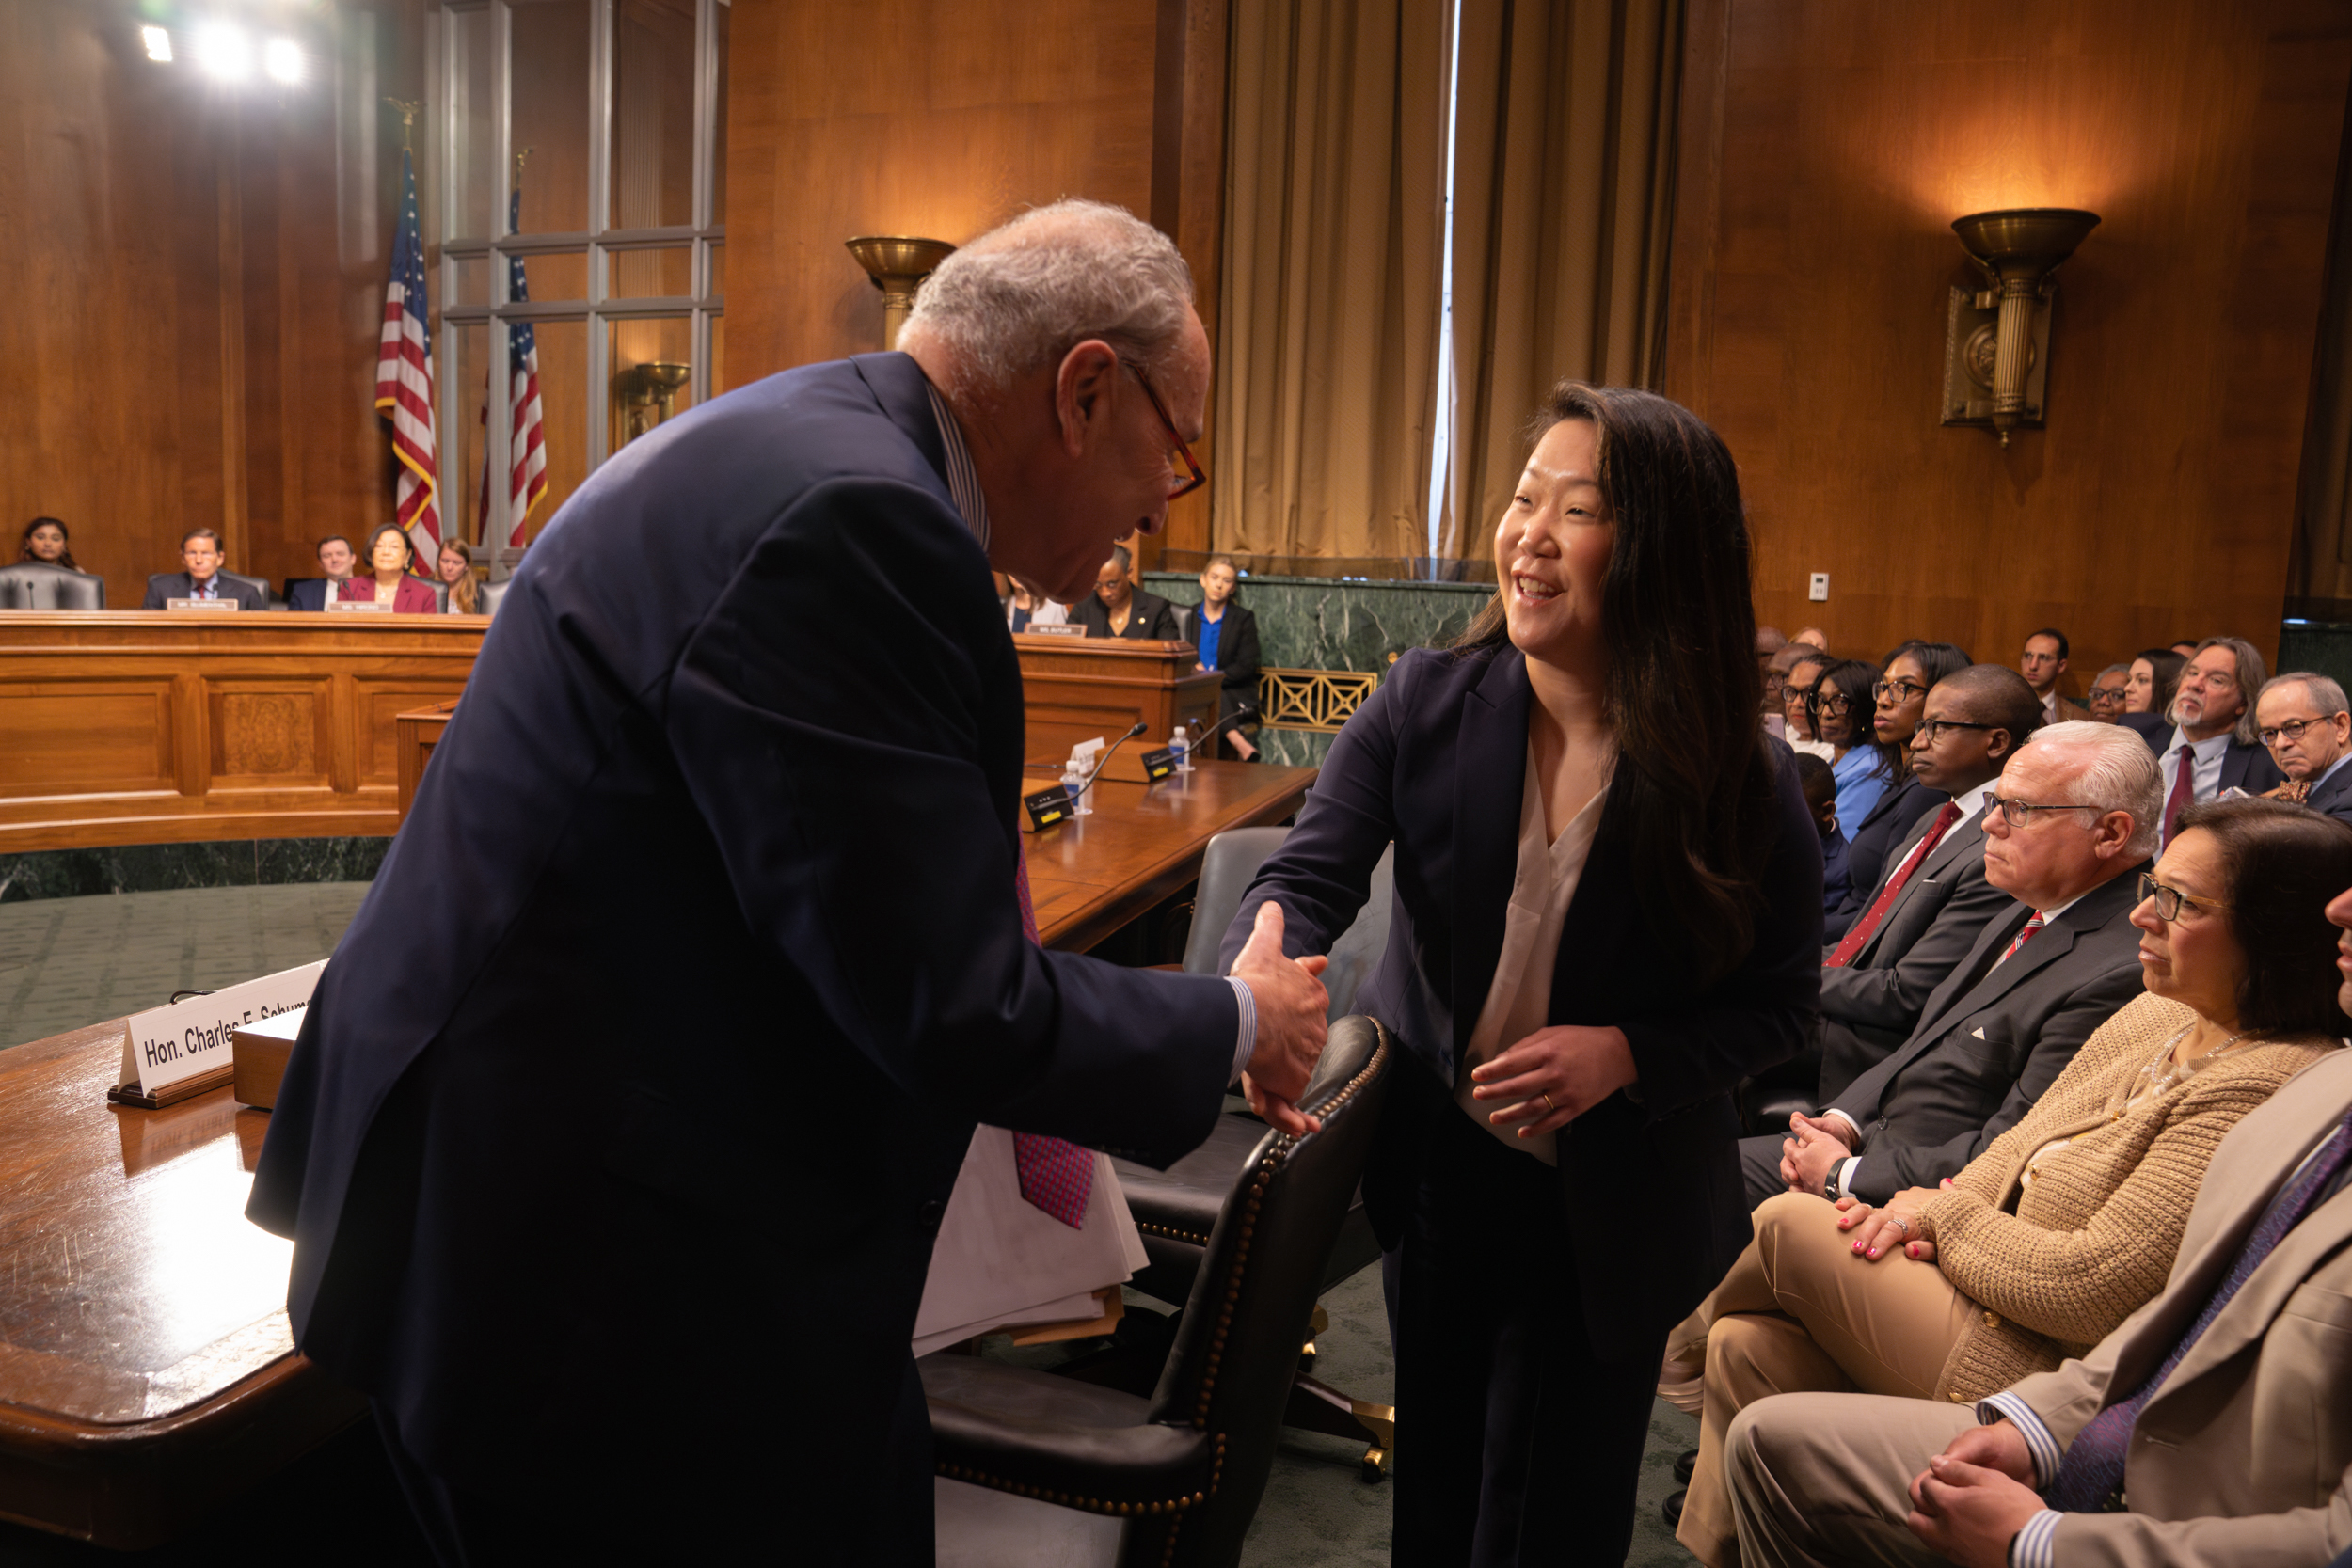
[
  {"x": 1247, "y": 710},
  {"x": 1097, "y": 771}
]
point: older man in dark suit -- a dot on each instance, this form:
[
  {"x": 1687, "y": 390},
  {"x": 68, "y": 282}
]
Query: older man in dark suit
[
  {"x": 2070, "y": 829},
  {"x": 2301, "y": 718},
  {"x": 202, "y": 578},
  {"x": 2206, "y": 739},
  {"x": 1926, "y": 911},
  {"x": 614, "y": 1153}
]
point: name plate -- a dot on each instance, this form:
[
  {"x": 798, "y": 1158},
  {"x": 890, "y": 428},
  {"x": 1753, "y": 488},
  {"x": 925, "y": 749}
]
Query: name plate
[
  {"x": 200, "y": 604},
  {"x": 1059, "y": 629},
  {"x": 1158, "y": 765},
  {"x": 1048, "y": 806},
  {"x": 362, "y": 606},
  {"x": 182, "y": 1049}
]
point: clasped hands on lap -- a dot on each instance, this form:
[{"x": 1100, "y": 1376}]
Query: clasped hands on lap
[
  {"x": 1974, "y": 1497},
  {"x": 1814, "y": 1148}
]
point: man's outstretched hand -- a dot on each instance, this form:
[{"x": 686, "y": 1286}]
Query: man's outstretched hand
[{"x": 1291, "y": 1029}]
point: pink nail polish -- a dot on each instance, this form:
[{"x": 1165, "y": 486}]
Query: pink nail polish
[{"x": 1874, "y": 1252}]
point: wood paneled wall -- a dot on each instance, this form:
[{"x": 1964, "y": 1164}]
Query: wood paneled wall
[
  {"x": 944, "y": 118},
  {"x": 199, "y": 283},
  {"x": 1826, "y": 146}
]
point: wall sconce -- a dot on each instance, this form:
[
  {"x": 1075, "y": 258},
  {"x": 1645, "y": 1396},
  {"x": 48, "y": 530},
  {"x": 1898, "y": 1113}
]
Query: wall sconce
[
  {"x": 1997, "y": 341},
  {"x": 898, "y": 266}
]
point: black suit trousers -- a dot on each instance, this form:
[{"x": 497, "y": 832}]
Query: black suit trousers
[{"x": 1526, "y": 1448}]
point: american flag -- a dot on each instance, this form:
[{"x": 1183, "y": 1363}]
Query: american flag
[
  {"x": 530, "y": 445},
  {"x": 404, "y": 375}
]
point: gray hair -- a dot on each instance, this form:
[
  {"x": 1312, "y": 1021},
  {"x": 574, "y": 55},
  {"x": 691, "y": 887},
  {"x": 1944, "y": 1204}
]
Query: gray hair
[
  {"x": 2252, "y": 675},
  {"x": 1025, "y": 294},
  {"x": 2325, "y": 693},
  {"x": 2119, "y": 774}
]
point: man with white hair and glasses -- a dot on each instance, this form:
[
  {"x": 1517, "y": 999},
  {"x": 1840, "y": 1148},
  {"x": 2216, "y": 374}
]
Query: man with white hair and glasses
[
  {"x": 2068, "y": 831},
  {"x": 709, "y": 940},
  {"x": 2302, "y": 719}
]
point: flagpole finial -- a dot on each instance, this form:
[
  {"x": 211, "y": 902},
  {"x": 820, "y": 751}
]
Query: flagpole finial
[
  {"x": 408, "y": 109},
  {"x": 520, "y": 158}
]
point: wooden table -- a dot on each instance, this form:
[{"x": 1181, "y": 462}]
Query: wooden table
[
  {"x": 147, "y": 1371},
  {"x": 150, "y": 727}
]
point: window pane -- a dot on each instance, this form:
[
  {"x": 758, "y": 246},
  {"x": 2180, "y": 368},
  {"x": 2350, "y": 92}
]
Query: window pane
[
  {"x": 461, "y": 454},
  {"x": 653, "y": 113},
  {"x": 718, "y": 272},
  {"x": 722, "y": 11},
  {"x": 718, "y": 354},
  {"x": 641, "y": 273},
  {"x": 650, "y": 367},
  {"x": 561, "y": 275},
  {"x": 551, "y": 44},
  {"x": 473, "y": 282},
  {"x": 473, "y": 145},
  {"x": 563, "y": 399}
]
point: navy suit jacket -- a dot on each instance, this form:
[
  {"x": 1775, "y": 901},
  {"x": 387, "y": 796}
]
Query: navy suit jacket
[
  {"x": 645, "y": 1069},
  {"x": 1436, "y": 761},
  {"x": 178, "y": 585},
  {"x": 2244, "y": 765},
  {"x": 1887, "y": 824},
  {"x": 2333, "y": 796},
  {"x": 311, "y": 594}
]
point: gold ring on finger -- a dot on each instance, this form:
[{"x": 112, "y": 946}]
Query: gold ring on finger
[{"x": 1548, "y": 1106}]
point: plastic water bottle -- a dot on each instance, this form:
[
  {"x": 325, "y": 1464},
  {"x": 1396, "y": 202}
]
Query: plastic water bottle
[
  {"x": 1181, "y": 744},
  {"x": 1074, "y": 780}
]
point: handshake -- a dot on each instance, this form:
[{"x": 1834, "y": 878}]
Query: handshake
[{"x": 1291, "y": 1004}]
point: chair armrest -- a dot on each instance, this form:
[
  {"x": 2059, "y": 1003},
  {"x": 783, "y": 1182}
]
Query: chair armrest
[{"x": 1149, "y": 1469}]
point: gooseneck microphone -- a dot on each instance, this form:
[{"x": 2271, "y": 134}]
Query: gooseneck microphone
[{"x": 1096, "y": 771}]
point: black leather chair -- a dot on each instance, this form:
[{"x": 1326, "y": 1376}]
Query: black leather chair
[
  {"x": 1037, "y": 1468},
  {"x": 38, "y": 585},
  {"x": 1174, "y": 1209}
]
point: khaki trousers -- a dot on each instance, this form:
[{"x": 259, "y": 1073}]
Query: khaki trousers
[
  {"x": 1801, "y": 1312},
  {"x": 1825, "y": 1479}
]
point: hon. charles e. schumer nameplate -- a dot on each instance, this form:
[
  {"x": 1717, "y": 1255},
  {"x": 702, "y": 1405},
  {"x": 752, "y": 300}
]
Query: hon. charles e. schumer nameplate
[{"x": 173, "y": 1053}]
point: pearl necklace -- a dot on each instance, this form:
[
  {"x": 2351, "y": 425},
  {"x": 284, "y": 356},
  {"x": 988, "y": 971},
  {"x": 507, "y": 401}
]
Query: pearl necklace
[{"x": 2158, "y": 1086}]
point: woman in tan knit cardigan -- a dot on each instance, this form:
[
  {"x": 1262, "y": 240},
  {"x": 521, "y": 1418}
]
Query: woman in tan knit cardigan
[{"x": 2068, "y": 1222}]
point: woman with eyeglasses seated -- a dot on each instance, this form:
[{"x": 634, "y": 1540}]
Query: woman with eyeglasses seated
[
  {"x": 2068, "y": 1222},
  {"x": 2109, "y": 693},
  {"x": 390, "y": 554},
  {"x": 1900, "y": 697},
  {"x": 1796, "y": 709},
  {"x": 1845, "y": 714}
]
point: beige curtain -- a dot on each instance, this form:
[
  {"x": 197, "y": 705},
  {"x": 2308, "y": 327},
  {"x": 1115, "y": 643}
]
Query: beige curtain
[
  {"x": 1328, "y": 329},
  {"x": 1563, "y": 196}
]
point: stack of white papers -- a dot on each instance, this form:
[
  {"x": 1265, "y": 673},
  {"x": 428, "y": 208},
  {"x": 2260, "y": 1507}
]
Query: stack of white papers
[{"x": 1001, "y": 1261}]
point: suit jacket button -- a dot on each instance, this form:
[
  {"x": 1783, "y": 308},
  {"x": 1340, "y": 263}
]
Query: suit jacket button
[
  {"x": 929, "y": 1215},
  {"x": 1992, "y": 1320}
]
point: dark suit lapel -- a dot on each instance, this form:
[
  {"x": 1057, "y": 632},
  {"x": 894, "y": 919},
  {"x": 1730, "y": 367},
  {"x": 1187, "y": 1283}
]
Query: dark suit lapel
[
  {"x": 2049, "y": 945},
  {"x": 1967, "y": 838},
  {"x": 1489, "y": 780}
]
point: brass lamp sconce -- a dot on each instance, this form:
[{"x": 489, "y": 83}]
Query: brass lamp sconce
[
  {"x": 898, "y": 266},
  {"x": 1996, "y": 339},
  {"x": 647, "y": 395}
]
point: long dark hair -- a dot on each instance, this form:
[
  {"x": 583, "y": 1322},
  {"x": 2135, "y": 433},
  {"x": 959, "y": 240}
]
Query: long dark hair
[
  {"x": 1935, "y": 659},
  {"x": 24, "y": 550},
  {"x": 1853, "y": 678},
  {"x": 2282, "y": 864},
  {"x": 1683, "y": 684},
  {"x": 2166, "y": 666}
]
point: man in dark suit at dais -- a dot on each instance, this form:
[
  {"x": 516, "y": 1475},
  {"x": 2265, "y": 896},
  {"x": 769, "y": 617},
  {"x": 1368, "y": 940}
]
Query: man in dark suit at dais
[{"x": 613, "y": 1159}]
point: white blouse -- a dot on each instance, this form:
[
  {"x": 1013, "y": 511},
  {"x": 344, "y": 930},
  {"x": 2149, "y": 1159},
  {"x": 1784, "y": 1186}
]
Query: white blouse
[{"x": 1519, "y": 1001}]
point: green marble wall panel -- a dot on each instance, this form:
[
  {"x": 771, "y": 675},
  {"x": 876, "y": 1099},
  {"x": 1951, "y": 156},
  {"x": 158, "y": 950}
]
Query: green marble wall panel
[
  {"x": 2323, "y": 647},
  {"x": 156, "y": 867}
]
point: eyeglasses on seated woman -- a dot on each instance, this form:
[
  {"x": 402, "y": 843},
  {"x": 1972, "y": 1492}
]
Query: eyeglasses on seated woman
[{"x": 2069, "y": 1221}]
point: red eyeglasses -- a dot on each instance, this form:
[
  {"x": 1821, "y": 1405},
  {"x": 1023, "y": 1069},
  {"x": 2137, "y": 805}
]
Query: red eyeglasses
[{"x": 1185, "y": 473}]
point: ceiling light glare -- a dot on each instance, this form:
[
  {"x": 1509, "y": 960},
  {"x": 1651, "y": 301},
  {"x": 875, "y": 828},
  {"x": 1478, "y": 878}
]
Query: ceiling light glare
[
  {"x": 281, "y": 59},
  {"x": 158, "y": 44},
  {"x": 224, "y": 52}
]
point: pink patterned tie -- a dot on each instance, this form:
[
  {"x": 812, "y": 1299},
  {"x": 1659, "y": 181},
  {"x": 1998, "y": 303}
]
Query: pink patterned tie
[{"x": 1056, "y": 1176}]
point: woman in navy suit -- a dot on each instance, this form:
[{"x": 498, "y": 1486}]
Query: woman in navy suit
[{"x": 1608, "y": 912}]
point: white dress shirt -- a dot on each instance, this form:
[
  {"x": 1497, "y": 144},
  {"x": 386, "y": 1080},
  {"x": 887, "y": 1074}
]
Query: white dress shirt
[{"x": 2205, "y": 782}]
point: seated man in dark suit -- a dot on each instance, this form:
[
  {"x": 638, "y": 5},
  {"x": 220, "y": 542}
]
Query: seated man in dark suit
[
  {"x": 1118, "y": 608},
  {"x": 706, "y": 941},
  {"x": 2211, "y": 723},
  {"x": 1925, "y": 914},
  {"x": 2070, "y": 829},
  {"x": 2301, "y": 719},
  {"x": 199, "y": 552},
  {"x": 336, "y": 558}
]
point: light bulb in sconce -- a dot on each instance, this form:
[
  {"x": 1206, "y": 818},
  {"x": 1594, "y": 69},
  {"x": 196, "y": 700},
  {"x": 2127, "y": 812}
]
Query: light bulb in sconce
[
  {"x": 897, "y": 264},
  {"x": 1996, "y": 339}
]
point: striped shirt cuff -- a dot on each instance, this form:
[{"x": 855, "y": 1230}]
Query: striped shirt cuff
[
  {"x": 2039, "y": 1442},
  {"x": 2035, "y": 1544},
  {"x": 1246, "y": 1039}
]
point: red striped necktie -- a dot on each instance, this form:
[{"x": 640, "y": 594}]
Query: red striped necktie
[
  {"x": 2033, "y": 923},
  {"x": 1859, "y": 938},
  {"x": 1055, "y": 1174}
]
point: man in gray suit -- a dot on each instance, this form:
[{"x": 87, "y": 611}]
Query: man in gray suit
[
  {"x": 2071, "y": 826},
  {"x": 2213, "y": 1427},
  {"x": 1929, "y": 909},
  {"x": 2301, "y": 718}
]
